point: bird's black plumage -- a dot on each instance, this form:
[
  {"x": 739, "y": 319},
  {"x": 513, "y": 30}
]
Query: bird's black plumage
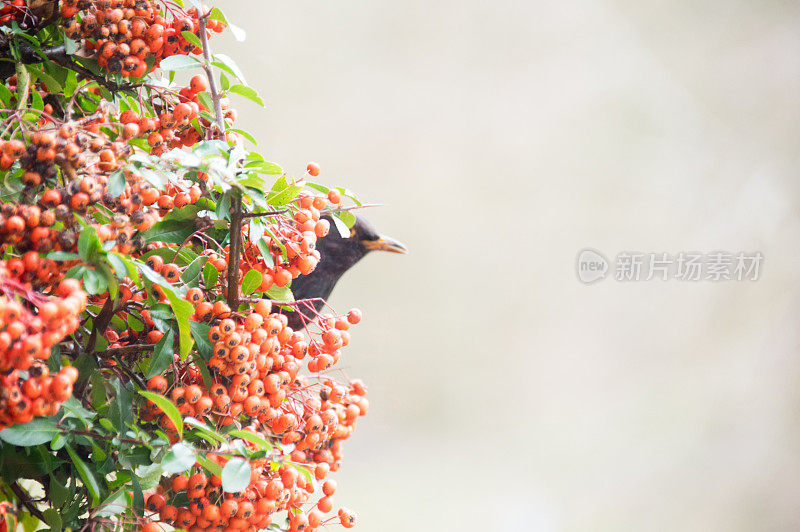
[{"x": 337, "y": 255}]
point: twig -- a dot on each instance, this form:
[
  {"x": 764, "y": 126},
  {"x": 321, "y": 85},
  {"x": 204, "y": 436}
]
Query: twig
[
  {"x": 25, "y": 499},
  {"x": 295, "y": 303},
  {"x": 352, "y": 208},
  {"x": 129, "y": 372},
  {"x": 96, "y": 436},
  {"x": 263, "y": 214},
  {"x": 100, "y": 323},
  {"x": 212, "y": 83},
  {"x": 127, "y": 349},
  {"x": 234, "y": 251}
]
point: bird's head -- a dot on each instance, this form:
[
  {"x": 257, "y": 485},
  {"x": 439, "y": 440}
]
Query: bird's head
[
  {"x": 337, "y": 255},
  {"x": 362, "y": 239}
]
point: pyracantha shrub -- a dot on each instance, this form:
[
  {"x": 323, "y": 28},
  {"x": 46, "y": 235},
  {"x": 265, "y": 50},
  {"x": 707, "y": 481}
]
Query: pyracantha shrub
[{"x": 149, "y": 378}]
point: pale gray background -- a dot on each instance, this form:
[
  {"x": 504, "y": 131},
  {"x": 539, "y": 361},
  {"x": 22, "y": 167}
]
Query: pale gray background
[{"x": 505, "y": 136}]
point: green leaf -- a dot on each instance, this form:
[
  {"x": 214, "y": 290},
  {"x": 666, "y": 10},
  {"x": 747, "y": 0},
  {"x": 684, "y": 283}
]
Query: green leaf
[
  {"x": 280, "y": 293},
  {"x": 229, "y": 65},
  {"x": 36, "y": 101},
  {"x": 266, "y": 167},
  {"x": 129, "y": 266},
  {"x": 53, "y": 86},
  {"x": 182, "y": 309},
  {"x": 86, "y": 476},
  {"x": 62, "y": 255},
  {"x": 149, "y": 475},
  {"x": 252, "y": 438},
  {"x": 192, "y": 38},
  {"x": 53, "y": 519},
  {"x": 179, "y": 458},
  {"x": 5, "y": 96},
  {"x": 223, "y": 82},
  {"x": 348, "y": 218},
  {"x": 210, "y": 275},
  {"x": 200, "y": 335},
  {"x": 73, "y": 408},
  {"x": 191, "y": 275},
  {"x": 58, "y": 492},
  {"x": 266, "y": 254},
  {"x": 206, "y": 101},
  {"x": 245, "y": 134},
  {"x": 162, "y": 355},
  {"x": 88, "y": 244},
  {"x": 205, "y": 429},
  {"x": 110, "y": 280},
  {"x": 166, "y": 406},
  {"x": 306, "y": 473},
  {"x": 94, "y": 282},
  {"x": 99, "y": 395},
  {"x": 317, "y": 186},
  {"x": 170, "y": 231},
  {"x": 134, "y": 323},
  {"x": 116, "y": 183},
  {"x": 36, "y": 432},
  {"x": 235, "y": 475},
  {"x": 213, "y": 467},
  {"x": 178, "y": 62},
  {"x": 216, "y": 14},
  {"x": 248, "y": 92},
  {"x": 223, "y": 206},
  {"x": 70, "y": 46},
  {"x": 183, "y": 258},
  {"x": 282, "y": 192},
  {"x": 251, "y": 281},
  {"x": 138, "y": 496},
  {"x": 114, "y": 504},
  {"x": 119, "y": 411}
]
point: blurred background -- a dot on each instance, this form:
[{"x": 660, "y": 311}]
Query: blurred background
[{"x": 504, "y": 137}]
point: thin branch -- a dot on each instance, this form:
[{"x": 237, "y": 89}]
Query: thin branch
[
  {"x": 264, "y": 214},
  {"x": 234, "y": 251},
  {"x": 212, "y": 82},
  {"x": 100, "y": 323},
  {"x": 352, "y": 208},
  {"x": 129, "y": 372},
  {"x": 25, "y": 499},
  {"x": 97, "y": 436},
  {"x": 127, "y": 349}
]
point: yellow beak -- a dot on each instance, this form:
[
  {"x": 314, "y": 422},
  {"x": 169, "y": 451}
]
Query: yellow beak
[{"x": 384, "y": 243}]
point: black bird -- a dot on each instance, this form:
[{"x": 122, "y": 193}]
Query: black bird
[{"x": 337, "y": 255}]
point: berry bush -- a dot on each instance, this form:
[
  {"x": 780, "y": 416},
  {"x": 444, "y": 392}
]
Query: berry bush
[{"x": 148, "y": 375}]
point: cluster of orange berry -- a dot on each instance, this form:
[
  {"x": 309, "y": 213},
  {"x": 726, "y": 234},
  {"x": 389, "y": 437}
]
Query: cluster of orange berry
[
  {"x": 124, "y": 34},
  {"x": 255, "y": 363},
  {"x": 270, "y": 490},
  {"x": 27, "y": 389},
  {"x": 172, "y": 128},
  {"x": 79, "y": 167},
  {"x": 86, "y": 158}
]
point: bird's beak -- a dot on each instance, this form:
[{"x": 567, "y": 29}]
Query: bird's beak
[{"x": 384, "y": 243}]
